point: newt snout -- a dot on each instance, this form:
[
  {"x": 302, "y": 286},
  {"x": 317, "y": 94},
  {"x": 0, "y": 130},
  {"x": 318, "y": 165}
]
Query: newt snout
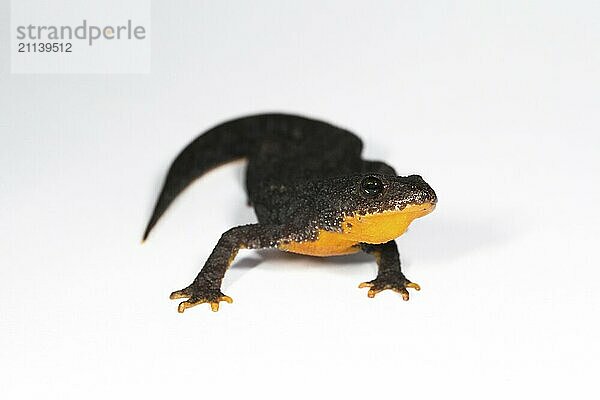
[{"x": 422, "y": 192}]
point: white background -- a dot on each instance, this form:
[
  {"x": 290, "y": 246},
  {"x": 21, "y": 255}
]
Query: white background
[{"x": 494, "y": 103}]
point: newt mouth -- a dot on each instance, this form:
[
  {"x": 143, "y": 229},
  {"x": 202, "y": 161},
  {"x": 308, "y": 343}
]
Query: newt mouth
[{"x": 420, "y": 209}]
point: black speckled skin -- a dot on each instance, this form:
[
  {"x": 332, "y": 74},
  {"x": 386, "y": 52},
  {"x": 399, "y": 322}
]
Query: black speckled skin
[{"x": 303, "y": 176}]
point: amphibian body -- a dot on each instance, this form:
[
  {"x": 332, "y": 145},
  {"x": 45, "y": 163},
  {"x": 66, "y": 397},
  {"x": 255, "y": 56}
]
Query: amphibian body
[{"x": 312, "y": 193}]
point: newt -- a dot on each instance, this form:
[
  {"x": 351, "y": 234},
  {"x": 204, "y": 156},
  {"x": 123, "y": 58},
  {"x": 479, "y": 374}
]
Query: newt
[{"x": 312, "y": 194}]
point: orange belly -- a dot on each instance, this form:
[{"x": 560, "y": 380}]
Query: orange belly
[
  {"x": 327, "y": 244},
  {"x": 370, "y": 228}
]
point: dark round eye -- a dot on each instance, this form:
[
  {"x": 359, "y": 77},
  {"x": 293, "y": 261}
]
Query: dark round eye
[{"x": 371, "y": 186}]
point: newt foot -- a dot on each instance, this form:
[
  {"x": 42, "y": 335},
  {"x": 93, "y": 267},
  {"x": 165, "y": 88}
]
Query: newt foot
[
  {"x": 197, "y": 295},
  {"x": 397, "y": 284}
]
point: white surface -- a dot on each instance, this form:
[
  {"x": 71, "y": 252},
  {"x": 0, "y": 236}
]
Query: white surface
[{"x": 495, "y": 104}]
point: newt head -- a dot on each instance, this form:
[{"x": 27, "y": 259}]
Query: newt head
[
  {"x": 374, "y": 208},
  {"x": 367, "y": 208}
]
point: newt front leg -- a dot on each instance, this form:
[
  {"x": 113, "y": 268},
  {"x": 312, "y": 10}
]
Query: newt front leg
[
  {"x": 206, "y": 288},
  {"x": 389, "y": 275}
]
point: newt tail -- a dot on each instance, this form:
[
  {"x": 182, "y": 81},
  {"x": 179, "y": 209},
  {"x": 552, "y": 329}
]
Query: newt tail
[{"x": 221, "y": 144}]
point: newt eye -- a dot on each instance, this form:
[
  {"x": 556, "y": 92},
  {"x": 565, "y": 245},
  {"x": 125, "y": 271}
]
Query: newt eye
[{"x": 371, "y": 186}]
